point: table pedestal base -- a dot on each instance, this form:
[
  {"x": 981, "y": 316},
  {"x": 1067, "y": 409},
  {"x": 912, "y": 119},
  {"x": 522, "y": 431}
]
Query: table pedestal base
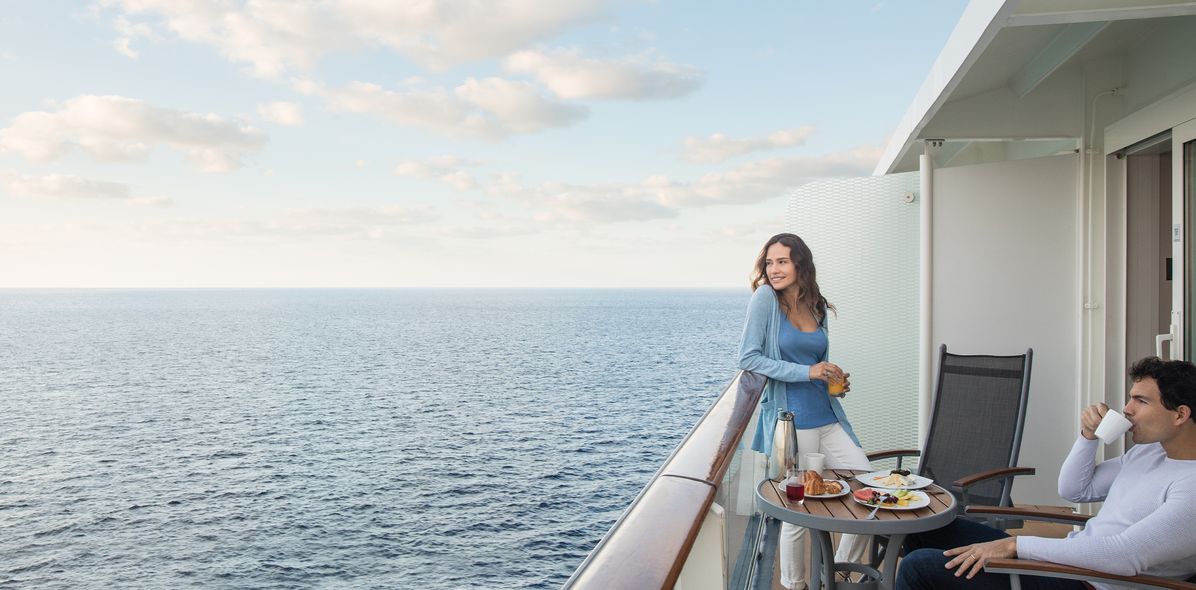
[{"x": 880, "y": 575}]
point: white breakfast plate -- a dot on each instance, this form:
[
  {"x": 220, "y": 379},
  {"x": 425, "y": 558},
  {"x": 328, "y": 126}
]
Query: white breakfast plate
[
  {"x": 920, "y": 500},
  {"x": 846, "y": 490},
  {"x": 873, "y": 480}
]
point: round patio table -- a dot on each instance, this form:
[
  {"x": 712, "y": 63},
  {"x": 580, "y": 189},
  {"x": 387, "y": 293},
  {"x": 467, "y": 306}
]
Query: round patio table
[{"x": 845, "y": 515}]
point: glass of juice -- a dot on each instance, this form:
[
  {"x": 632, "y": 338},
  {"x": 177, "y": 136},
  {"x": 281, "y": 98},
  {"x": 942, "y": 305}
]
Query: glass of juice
[
  {"x": 795, "y": 490},
  {"x": 835, "y": 388}
]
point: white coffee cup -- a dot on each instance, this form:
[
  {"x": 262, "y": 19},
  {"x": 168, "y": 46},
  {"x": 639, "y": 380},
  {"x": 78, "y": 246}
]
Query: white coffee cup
[
  {"x": 815, "y": 462},
  {"x": 1112, "y": 427}
]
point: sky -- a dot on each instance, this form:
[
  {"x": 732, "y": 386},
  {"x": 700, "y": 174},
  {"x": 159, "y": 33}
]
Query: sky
[{"x": 459, "y": 144}]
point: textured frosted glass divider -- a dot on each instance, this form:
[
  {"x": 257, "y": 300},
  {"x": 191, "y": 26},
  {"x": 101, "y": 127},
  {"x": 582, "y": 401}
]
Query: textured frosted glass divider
[{"x": 865, "y": 242}]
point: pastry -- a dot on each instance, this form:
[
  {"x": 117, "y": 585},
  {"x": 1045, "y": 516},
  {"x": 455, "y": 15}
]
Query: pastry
[
  {"x": 816, "y": 486},
  {"x": 813, "y": 483}
]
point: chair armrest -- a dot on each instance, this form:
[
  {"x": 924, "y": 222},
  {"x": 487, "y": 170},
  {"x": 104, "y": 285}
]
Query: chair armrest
[
  {"x": 1055, "y": 570},
  {"x": 894, "y": 453},
  {"x": 1029, "y": 514},
  {"x": 983, "y": 476}
]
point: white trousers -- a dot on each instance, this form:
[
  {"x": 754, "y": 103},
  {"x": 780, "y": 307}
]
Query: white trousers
[{"x": 841, "y": 453}]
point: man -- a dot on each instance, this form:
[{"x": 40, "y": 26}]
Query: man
[{"x": 1148, "y": 522}]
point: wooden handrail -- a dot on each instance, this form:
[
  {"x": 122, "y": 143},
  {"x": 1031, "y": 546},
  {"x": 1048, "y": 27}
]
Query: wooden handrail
[
  {"x": 1028, "y": 514},
  {"x": 1031, "y": 568},
  {"x": 647, "y": 547},
  {"x": 894, "y": 453},
  {"x": 1000, "y": 473},
  {"x": 707, "y": 450}
]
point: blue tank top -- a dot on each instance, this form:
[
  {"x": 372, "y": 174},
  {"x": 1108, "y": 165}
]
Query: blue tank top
[{"x": 808, "y": 400}]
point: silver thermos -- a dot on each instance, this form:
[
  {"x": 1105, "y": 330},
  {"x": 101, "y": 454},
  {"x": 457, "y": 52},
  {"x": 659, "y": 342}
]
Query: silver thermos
[{"x": 783, "y": 462}]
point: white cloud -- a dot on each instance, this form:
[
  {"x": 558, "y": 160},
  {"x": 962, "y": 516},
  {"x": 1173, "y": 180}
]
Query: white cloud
[
  {"x": 500, "y": 230},
  {"x": 602, "y": 205},
  {"x": 491, "y": 108},
  {"x": 65, "y": 185},
  {"x": 283, "y": 113},
  {"x": 128, "y": 31},
  {"x": 460, "y": 180},
  {"x": 61, "y": 186},
  {"x": 719, "y": 147},
  {"x": 150, "y": 202},
  {"x": 757, "y": 181},
  {"x": 357, "y": 216},
  {"x": 123, "y": 47},
  {"x": 115, "y": 128},
  {"x": 367, "y": 223},
  {"x": 276, "y": 36},
  {"x": 570, "y": 75},
  {"x": 446, "y": 169},
  {"x": 659, "y": 197},
  {"x": 430, "y": 167},
  {"x": 518, "y": 107},
  {"x": 557, "y": 202},
  {"x": 743, "y": 230}
]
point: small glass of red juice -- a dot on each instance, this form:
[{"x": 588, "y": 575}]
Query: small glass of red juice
[{"x": 795, "y": 490}]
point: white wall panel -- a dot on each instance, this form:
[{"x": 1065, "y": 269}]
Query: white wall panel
[
  {"x": 1005, "y": 278},
  {"x": 864, "y": 237}
]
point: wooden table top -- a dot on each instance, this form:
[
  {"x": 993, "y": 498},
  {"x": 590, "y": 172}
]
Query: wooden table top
[{"x": 845, "y": 508}]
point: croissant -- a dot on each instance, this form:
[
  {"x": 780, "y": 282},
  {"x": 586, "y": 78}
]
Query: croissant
[
  {"x": 816, "y": 486},
  {"x": 813, "y": 483}
]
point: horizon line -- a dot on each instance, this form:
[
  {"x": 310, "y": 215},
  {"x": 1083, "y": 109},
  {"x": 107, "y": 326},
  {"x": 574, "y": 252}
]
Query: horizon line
[{"x": 424, "y": 288}]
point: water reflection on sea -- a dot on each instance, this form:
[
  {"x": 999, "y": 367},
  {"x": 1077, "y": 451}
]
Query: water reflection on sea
[{"x": 338, "y": 438}]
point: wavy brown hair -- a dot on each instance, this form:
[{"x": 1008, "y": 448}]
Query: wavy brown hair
[{"x": 807, "y": 276}]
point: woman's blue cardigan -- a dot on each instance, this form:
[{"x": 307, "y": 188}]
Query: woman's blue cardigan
[{"x": 760, "y": 352}]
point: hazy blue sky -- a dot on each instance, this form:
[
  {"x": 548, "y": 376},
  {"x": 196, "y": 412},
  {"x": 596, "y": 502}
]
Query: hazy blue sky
[{"x": 357, "y": 143}]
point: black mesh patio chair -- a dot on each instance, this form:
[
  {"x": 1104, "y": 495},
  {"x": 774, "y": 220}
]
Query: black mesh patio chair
[{"x": 976, "y": 428}]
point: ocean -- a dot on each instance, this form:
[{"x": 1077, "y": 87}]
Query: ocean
[{"x": 429, "y": 439}]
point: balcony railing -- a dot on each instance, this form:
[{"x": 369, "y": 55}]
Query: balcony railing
[{"x": 694, "y": 525}]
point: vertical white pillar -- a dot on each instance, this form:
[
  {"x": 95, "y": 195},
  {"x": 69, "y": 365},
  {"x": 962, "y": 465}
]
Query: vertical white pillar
[{"x": 925, "y": 292}]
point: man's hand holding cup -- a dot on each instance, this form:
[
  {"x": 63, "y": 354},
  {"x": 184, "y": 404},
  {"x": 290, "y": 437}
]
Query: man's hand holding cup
[
  {"x": 1090, "y": 418},
  {"x": 1098, "y": 421}
]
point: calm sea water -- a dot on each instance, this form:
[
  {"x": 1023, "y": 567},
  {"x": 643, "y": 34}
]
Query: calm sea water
[{"x": 338, "y": 438}]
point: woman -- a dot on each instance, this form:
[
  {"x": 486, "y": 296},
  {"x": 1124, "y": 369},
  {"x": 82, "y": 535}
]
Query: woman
[{"x": 785, "y": 339}]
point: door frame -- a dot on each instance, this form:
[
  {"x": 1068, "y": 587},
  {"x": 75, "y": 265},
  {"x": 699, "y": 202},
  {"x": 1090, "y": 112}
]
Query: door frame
[
  {"x": 1178, "y": 117},
  {"x": 1173, "y": 112},
  {"x": 1180, "y": 134}
]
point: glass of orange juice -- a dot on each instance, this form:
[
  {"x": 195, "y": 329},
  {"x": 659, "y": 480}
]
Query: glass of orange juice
[{"x": 836, "y": 388}]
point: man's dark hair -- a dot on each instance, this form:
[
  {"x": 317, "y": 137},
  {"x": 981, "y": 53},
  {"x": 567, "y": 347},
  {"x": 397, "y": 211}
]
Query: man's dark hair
[{"x": 1176, "y": 381}]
